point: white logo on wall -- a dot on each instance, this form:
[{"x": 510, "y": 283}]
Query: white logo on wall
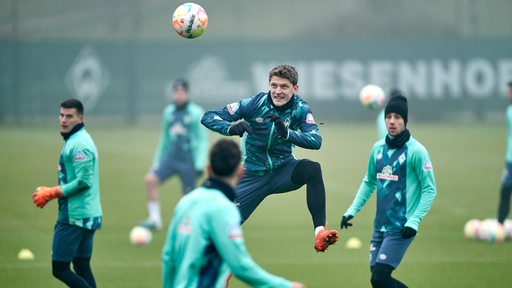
[
  {"x": 209, "y": 77},
  {"x": 87, "y": 77}
]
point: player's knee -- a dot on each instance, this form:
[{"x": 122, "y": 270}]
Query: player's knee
[
  {"x": 60, "y": 269},
  {"x": 151, "y": 179},
  {"x": 305, "y": 171},
  {"x": 381, "y": 276}
]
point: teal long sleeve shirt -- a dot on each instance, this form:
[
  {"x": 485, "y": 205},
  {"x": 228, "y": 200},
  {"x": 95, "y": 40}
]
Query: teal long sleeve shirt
[
  {"x": 405, "y": 184},
  {"x": 205, "y": 244},
  {"x": 189, "y": 126},
  {"x": 79, "y": 182}
]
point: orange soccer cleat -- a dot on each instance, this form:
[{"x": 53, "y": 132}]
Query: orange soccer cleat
[{"x": 324, "y": 238}]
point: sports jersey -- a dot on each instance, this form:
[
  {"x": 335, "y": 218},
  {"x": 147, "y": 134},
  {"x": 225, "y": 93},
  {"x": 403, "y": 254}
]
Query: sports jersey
[
  {"x": 508, "y": 156},
  {"x": 404, "y": 179},
  {"x": 79, "y": 182},
  {"x": 182, "y": 137},
  {"x": 263, "y": 151},
  {"x": 205, "y": 243}
]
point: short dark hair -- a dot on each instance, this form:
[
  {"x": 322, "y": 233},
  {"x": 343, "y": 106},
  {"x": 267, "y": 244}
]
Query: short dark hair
[
  {"x": 285, "y": 71},
  {"x": 180, "y": 83},
  {"x": 73, "y": 103},
  {"x": 225, "y": 157}
]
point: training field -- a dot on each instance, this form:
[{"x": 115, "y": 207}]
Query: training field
[{"x": 467, "y": 159}]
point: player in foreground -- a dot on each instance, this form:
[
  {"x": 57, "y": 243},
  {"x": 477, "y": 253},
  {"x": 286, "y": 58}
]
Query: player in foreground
[
  {"x": 205, "y": 242},
  {"x": 182, "y": 150},
  {"x": 506, "y": 181},
  {"x": 80, "y": 213},
  {"x": 273, "y": 123},
  {"x": 400, "y": 168}
]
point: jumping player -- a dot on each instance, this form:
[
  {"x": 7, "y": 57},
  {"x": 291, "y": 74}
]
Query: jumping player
[{"x": 272, "y": 124}]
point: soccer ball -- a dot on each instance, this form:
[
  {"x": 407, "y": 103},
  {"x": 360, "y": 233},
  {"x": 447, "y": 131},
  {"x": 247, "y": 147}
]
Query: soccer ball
[
  {"x": 372, "y": 96},
  {"x": 189, "y": 20},
  {"x": 140, "y": 236},
  {"x": 491, "y": 231},
  {"x": 472, "y": 229},
  {"x": 507, "y": 225}
]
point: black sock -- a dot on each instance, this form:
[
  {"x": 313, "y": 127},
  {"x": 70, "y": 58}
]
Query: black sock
[
  {"x": 82, "y": 268},
  {"x": 310, "y": 173},
  {"x": 504, "y": 205},
  {"x": 62, "y": 272}
]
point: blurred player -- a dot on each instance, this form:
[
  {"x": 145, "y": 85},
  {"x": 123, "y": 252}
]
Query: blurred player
[
  {"x": 506, "y": 182},
  {"x": 381, "y": 118},
  {"x": 80, "y": 213},
  {"x": 400, "y": 168},
  {"x": 205, "y": 241},
  {"x": 182, "y": 150},
  {"x": 274, "y": 123}
]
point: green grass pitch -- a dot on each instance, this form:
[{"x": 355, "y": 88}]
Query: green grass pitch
[{"x": 468, "y": 161}]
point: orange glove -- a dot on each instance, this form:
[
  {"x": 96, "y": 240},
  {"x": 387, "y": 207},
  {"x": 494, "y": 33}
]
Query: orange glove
[{"x": 44, "y": 194}]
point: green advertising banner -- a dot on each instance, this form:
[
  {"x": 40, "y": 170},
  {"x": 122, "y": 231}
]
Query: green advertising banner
[{"x": 442, "y": 78}]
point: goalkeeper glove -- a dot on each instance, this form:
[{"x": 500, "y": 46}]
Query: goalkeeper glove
[
  {"x": 344, "y": 221},
  {"x": 408, "y": 232},
  {"x": 282, "y": 130},
  {"x": 239, "y": 129},
  {"x": 44, "y": 194}
]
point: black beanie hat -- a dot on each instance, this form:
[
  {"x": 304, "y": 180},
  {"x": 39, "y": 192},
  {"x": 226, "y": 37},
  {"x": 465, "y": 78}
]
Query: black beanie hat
[{"x": 398, "y": 105}]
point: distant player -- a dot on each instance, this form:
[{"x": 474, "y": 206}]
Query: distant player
[
  {"x": 400, "y": 169},
  {"x": 80, "y": 213},
  {"x": 182, "y": 150},
  {"x": 205, "y": 242},
  {"x": 273, "y": 124},
  {"x": 506, "y": 182}
]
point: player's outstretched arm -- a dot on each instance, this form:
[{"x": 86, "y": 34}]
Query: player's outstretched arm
[
  {"x": 228, "y": 239},
  {"x": 307, "y": 135}
]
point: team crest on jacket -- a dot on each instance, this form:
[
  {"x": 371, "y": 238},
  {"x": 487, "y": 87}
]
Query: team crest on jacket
[
  {"x": 427, "y": 165},
  {"x": 310, "y": 119},
  {"x": 235, "y": 232},
  {"x": 233, "y": 107},
  {"x": 79, "y": 156},
  {"x": 387, "y": 174}
]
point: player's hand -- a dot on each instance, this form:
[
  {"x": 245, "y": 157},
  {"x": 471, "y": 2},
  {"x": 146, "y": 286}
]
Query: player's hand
[
  {"x": 408, "y": 232},
  {"x": 298, "y": 285},
  {"x": 44, "y": 194},
  {"x": 239, "y": 129},
  {"x": 282, "y": 130},
  {"x": 344, "y": 221}
]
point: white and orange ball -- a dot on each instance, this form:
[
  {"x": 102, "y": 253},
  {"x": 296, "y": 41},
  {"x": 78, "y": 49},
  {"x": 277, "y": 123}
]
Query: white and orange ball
[
  {"x": 507, "y": 225},
  {"x": 140, "y": 236},
  {"x": 492, "y": 231},
  {"x": 189, "y": 20},
  {"x": 472, "y": 229},
  {"x": 496, "y": 232},
  {"x": 372, "y": 96}
]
